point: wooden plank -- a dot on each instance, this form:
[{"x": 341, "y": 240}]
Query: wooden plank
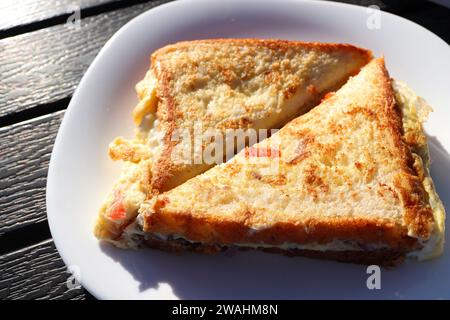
[
  {"x": 24, "y": 158},
  {"x": 37, "y": 272},
  {"x": 432, "y": 16},
  {"x": 435, "y": 18},
  {"x": 27, "y": 15},
  {"x": 15, "y": 13},
  {"x": 42, "y": 67}
]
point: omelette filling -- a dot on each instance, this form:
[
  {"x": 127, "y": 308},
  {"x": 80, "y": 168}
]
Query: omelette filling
[
  {"x": 131, "y": 189},
  {"x": 414, "y": 112}
]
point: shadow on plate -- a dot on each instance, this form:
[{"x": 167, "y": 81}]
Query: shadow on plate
[{"x": 257, "y": 275}]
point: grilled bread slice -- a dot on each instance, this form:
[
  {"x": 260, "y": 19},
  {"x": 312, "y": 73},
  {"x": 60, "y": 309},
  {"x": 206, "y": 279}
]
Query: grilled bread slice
[
  {"x": 233, "y": 83},
  {"x": 347, "y": 181},
  {"x": 221, "y": 84}
]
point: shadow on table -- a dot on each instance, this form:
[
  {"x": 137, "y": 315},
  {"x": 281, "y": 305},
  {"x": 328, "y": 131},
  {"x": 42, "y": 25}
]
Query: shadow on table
[{"x": 257, "y": 275}]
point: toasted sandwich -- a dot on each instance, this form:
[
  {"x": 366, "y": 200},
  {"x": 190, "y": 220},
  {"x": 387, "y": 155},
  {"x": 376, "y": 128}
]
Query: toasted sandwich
[
  {"x": 235, "y": 83},
  {"x": 347, "y": 181},
  {"x": 218, "y": 84}
]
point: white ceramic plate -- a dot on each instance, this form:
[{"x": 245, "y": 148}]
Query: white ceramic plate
[{"x": 81, "y": 174}]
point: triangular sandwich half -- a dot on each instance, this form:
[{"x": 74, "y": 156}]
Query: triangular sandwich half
[
  {"x": 218, "y": 84},
  {"x": 235, "y": 83},
  {"x": 347, "y": 181}
]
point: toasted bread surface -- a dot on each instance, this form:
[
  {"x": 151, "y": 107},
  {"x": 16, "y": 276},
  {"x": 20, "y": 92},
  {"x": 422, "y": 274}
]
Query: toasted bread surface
[
  {"x": 235, "y": 83},
  {"x": 346, "y": 170}
]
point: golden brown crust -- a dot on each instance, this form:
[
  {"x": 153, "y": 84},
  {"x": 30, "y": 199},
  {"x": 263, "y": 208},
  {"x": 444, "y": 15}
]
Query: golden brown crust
[
  {"x": 164, "y": 166},
  {"x": 213, "y": 230},
  {"x": 418, "y": 214},
  {"x": 274, "y": 44}
]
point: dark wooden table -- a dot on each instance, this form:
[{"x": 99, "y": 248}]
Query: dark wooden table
[{"x": 42, "y": 59}]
